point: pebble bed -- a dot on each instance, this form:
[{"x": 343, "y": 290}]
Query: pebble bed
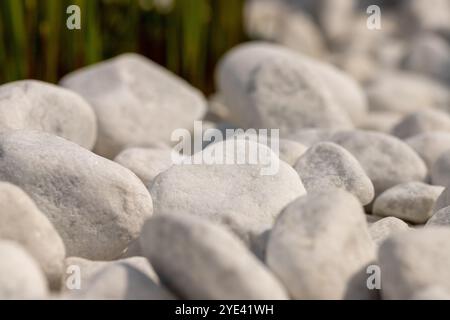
[{"x": 92, "y": 205}]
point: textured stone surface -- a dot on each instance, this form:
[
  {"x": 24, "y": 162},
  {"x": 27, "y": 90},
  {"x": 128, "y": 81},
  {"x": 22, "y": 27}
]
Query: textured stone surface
[
  {"x": 200, "y": 260},
  {"x": 303, "y": 246},
  {"x": 386, "y": 227},
  {"x": 20, "y": 275},
  {"x": 267, "y": 86},
  {"x": 422, "y": 122},
  {"x": 137, "y": 102},
  {"x": 21, "y": 221},
  {"x": 327, "y": 166},
  {"x": 387, "y": 161},
  {"x": 96, "y": 205},
  {"x": 206, "y": 190},
  {"x": 146, "y": 163},
  {"x": 440, "y": 218},
  {"x": 412, "y": 202},
  {"x": 35, "y": 105},
  {"x": 413, "y": 261}
]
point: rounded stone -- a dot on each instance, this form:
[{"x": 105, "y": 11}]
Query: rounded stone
[
  {"x": 387, "y": 160},
  {"x": 384, "y": 228},
  {"x": 248, "y": 195},
  {"x": 96, "y": 205},
  {"x": 411, "y": 201},
  {"x": 268, "y": 86},
  {"x": 327, "y": 166},
  {"x": 197, "y": 259},
  {"x": 137, "y": 102},
  {"x": 36, "y": 105},
  {"x": 422, "y": 122},
  {"x": 21, "y": 278},
  {"x": 413, "y": 261},
  {"x": 303, "y": 246},
  {"x": 21, "y": 221}
]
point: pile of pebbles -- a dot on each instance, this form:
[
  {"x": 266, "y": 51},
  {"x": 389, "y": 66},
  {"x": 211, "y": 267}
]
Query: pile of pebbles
[{"x": 92, "y": 205}]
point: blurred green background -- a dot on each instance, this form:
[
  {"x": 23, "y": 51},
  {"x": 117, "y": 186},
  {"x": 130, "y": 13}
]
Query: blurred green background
[{"x": 186, "y": 36}]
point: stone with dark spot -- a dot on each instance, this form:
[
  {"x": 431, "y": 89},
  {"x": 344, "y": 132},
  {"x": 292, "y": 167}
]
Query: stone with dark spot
[
  {"x": 328, "y": 166},
  {"x": 387, "y": 160}
]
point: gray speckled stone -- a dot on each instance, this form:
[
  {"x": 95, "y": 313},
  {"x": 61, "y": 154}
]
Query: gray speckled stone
[
  {"x": 386, "y": 227},
  {"x": 320, "y": 247},
  {"x": 197, "y": 259},
  {"x": 413, "y": 261},
  {"x": 387, "y": 160},
  {"x": 412, "y": 202},
  {"x": 327, "y": 166},
  {"x": 96, "y": 205}
]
